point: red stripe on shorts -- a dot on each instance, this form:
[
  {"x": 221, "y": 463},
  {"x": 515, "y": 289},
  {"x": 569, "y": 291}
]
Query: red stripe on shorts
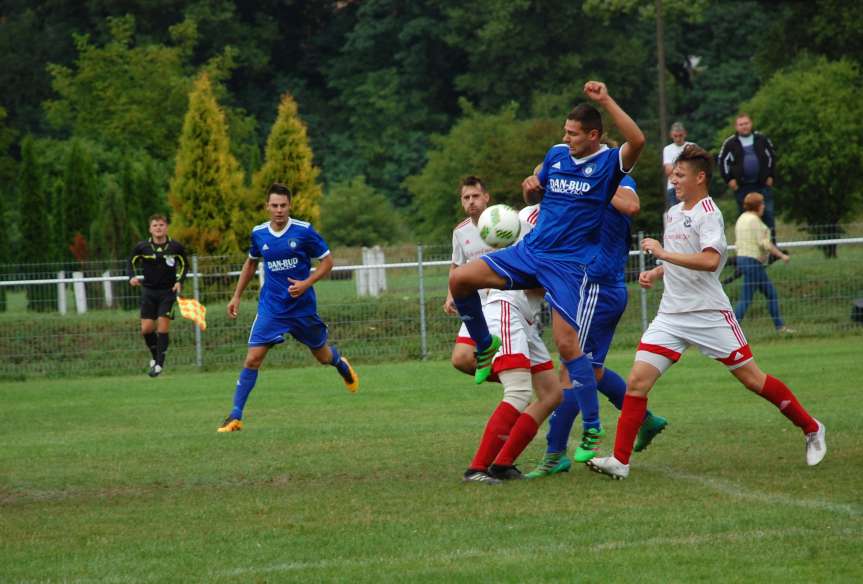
[
  {"x": 739, "y": 356},
  {"x": 659, "y": 350},
  {"x": 735, "y": 327},
  {"x": 508, "y": 362},
  {"x": 541, "y": 367}
]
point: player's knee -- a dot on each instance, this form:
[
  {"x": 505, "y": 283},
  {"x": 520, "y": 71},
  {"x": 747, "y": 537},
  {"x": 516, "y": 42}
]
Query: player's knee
[
  {"x": 638, "y": 384},
  {"x": 463, "y": 358},
  {"x": 517, "y": 387},
  {"x": 253, "y": 361},
  {"x": 458, "y": 283}
]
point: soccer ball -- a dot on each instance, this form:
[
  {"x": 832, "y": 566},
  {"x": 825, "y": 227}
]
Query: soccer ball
[{"x": 499, "y": 225}]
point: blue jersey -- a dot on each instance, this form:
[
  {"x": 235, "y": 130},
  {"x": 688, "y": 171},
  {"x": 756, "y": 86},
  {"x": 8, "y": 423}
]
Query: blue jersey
[
  {"x": 286, "y": 254},
  {"x": 609, "y": 267},
  {"x": 577, "y": 191}
]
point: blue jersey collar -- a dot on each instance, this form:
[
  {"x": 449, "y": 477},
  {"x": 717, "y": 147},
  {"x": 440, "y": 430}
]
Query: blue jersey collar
[{"x": 602, "y": 148}]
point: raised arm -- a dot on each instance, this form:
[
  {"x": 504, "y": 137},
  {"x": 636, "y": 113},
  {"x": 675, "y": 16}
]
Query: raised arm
[{"x": 631, "y": 149}]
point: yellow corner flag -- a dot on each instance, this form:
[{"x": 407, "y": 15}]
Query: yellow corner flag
[{"x": 193, "y": 310}]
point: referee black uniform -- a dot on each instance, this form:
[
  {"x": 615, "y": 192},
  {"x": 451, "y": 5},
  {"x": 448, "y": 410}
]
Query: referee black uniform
[{"x": 159, "y": 266}]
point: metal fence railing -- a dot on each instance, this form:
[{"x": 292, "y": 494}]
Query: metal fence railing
[{"x": 82, "y": 319}]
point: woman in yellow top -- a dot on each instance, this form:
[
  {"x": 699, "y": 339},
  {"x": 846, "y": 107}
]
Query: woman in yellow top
[{"x": 753, "y": 246}]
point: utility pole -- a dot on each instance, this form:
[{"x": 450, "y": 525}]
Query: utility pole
[{"x": 660, "y": 70}]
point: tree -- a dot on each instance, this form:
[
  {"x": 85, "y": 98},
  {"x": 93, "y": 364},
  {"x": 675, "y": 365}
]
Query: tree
[
  {"x": 393, "y": 80},
  {"x": 34, "y": 215},
  {"x": 80, "y": 191},
  {"x": 499, "y": 148},
  {"x": 206, "y": 191},
  {"x": 122, "y": 94},
  {"x": 288, "y": 160},
  {"x": 813, "y": 114},
  {"x": 353, "y": 213}
]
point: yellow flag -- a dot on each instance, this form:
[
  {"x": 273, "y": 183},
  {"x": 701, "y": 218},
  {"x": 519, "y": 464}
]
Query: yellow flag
[{"x": 193, "y": 310}]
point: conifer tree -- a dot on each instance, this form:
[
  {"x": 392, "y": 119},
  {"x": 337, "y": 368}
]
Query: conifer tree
[
  {"x": 288, "y": 160},
  {"x": 78, "y": 195},
  {"x": 207, "y": 187},
  {"x": 36, "y": 240}
]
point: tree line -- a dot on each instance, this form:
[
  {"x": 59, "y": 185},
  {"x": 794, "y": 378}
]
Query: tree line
[{"x": 373, "y": 110}]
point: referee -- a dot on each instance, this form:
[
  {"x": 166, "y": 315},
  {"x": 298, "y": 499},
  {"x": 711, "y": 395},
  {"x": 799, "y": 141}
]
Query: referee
[{"x": 159, "y": 266}]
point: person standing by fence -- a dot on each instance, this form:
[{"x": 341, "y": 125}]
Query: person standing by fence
[
  {"x": 753, "y": 246},
  {"x": 747, "y": 162},
  {"x": 159, "y": 267}
]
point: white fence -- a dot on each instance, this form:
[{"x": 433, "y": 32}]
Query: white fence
[{"x": 376, "y": 310}]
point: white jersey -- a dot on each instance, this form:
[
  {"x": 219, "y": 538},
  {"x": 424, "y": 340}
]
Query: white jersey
[
  {"x": 528, "y": 304},
  {"x": 691, "y": 232},
  {"x": 467, "y": 246}
]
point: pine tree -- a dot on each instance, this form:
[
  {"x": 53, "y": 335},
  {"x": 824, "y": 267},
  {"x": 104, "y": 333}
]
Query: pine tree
[
  {"x": 207, "y": 187},
  {"x": 288, "y": 160},
  {"x": 78, "y": 196},
  {"x": 35, "y": 230}
]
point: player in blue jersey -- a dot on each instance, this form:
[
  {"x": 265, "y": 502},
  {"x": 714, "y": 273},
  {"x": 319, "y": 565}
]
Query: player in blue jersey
[
  {"x": 607, "y": 293},
  {"x": 287, "y": 302},
  {"x": 578, "y": 179}
]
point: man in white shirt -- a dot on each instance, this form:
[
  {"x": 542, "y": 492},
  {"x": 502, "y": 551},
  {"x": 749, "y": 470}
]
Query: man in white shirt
[
  {"x": 669, "y": 156},
  {"x": 695, "y": 311},
  {"x": 467, "y": 245}
]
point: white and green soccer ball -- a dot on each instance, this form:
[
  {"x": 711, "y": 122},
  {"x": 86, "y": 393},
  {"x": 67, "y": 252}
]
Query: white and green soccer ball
[{"x": 499, "y": 225}]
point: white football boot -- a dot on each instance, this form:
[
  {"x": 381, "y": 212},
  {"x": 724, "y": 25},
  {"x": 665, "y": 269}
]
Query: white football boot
[
  {"x": 816, "y": 445},
  {"x": 609, "y": 466}
]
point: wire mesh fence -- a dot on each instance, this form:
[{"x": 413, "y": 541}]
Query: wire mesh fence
[{"x": 60, "y": 319}]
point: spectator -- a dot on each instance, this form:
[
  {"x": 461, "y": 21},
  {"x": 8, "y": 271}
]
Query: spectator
[
  {"x": 753, "y": 247},
  {"x": 669, "y": 156},
  {"x": 747, "y": 162}
]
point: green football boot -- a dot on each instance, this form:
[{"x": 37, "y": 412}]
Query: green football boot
[
  {"x": 552, "y": 463},
  {"x": 590, "y": 441},
  {"x": 484, "y": 360},
  {"x": 650, "y": 429}
]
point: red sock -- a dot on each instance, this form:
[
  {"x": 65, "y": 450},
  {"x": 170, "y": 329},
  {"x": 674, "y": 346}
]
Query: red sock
[
  {"x": 522, "y": 433},
  {"x": 496, "y": 432},
  {"x": 628, "y": 424},
  {"x": 780, "y": 396}
]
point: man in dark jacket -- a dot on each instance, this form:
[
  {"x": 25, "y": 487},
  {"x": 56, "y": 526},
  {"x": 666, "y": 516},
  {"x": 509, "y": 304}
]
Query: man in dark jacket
[
  {"x": 159, "y": 266},
  {"x": 747, "y": 162}
]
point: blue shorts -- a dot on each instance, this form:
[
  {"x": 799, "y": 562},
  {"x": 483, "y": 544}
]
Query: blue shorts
[
  {"x": 601, "y": 311},
  {"x": 271, "y": 330},
  {"x": 563, "y": 280}
]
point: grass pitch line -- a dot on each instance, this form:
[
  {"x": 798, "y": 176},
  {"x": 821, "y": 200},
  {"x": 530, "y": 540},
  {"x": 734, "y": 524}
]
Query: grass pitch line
[
  {"x": 735, "y": 490},
  {"x": 524, "y": 552}
]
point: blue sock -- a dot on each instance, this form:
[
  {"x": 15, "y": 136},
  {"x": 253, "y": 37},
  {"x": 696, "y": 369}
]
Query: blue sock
[
  {"x": 337, "y": 362},
  {"x": 470, "y": 311},
  {"x": 584, "y": 383},
  {"x": 245, "y": 384},
  {"x": 613, "y": 387},
  {"x": 560, "y": 423}
]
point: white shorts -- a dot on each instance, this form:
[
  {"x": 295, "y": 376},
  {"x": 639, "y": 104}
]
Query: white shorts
[
  {"x": 521, "y": 345},
  {"x": 716, "y": 333}
]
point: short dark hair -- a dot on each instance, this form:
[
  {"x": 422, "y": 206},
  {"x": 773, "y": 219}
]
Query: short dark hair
[
  {"x": 471, "y": 181},
  {"x": 698, "y": 157},
  {"x": 279, "y": 189},
  {"x": 157, "y": 217},
  {"x": 588, "y": 116}
]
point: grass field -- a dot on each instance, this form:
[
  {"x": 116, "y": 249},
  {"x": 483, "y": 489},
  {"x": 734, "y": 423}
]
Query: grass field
[{"x": 124, "y": 479}]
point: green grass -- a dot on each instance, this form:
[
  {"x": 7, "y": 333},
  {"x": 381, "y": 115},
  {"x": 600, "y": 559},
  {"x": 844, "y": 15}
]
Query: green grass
[{"x": 124, "y": 479}]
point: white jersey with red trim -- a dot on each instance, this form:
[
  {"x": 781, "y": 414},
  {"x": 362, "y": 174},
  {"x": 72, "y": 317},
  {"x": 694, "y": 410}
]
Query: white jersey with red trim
[
  {"x": 528, "y": 304},
  {"x": 693, "y": 231},
  {"x": 467, "y": 246}
]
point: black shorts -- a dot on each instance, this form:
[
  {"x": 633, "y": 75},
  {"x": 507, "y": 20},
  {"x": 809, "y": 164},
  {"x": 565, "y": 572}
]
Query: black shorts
[{"x": 156, "y": 303}]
